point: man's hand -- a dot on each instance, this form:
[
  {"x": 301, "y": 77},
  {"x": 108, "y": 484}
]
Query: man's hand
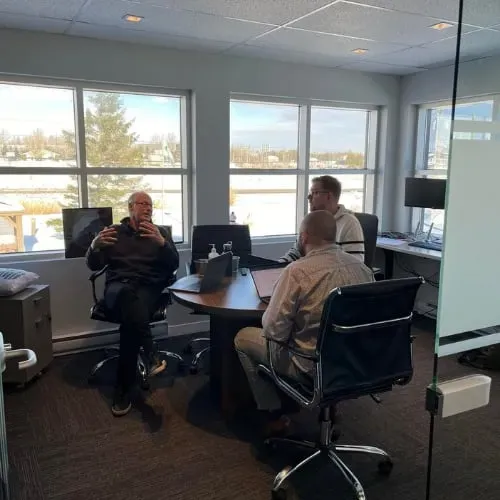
[
  {"x": 105, "y": 238},
  {"x": 150, "y": 231}
]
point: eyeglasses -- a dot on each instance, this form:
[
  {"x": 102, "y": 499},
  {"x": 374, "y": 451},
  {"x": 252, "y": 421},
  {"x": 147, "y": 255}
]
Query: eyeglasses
[
  {"x": 312, "y": 194},
  {"x": 143, "y": 204}
]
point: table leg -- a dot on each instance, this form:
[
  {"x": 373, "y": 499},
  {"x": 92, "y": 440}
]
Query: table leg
[
  {"x": 228, "y": 382},
  {"x": 389, "y": 264}
]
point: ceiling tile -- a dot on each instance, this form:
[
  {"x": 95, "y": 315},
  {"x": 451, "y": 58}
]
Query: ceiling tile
[
  {"x": 377, "y": 24},
  {"x": 417, "y": 56},
  {"x": 476, "y": 12},
  {"x": 265, "y": 11},
  {"x": 479, "y": 43},
  {"x": 387, "y": 69},
  {"x": 146, "y": 37},
  {"x": 57, "y": 9},
  {"x": 16, "y": 21},
  {"x": 170, "y": 22},
  {"x": 285, "y": 55},
  {"x": 319, "y": 43}
]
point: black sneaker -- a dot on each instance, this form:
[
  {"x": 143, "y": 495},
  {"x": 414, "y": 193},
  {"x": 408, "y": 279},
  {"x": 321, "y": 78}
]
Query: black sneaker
[
  {"x": 121, "y": 403},
  {"x": 155, "y": 365}
]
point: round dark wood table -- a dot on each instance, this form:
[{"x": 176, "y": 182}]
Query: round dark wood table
[{"x": 232, "y": 307}]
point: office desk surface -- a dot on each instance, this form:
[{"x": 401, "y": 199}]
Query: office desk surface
[
  {"x": 237, "y": 298},
  {"x": 402, "y": 246}
]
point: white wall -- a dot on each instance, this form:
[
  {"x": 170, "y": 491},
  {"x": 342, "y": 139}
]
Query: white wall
[{"x": 211, "y": 78}]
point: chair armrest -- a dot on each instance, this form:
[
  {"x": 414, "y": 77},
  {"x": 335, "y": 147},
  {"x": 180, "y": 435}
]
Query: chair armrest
[
  {"x": 296, "y": 352},
  {"x": 92, "y": 279},
  {"x": 96, "y": 274}
]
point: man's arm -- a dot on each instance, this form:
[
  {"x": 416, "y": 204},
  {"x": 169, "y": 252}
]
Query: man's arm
[
  {"x": 169, "y": 253},
  {"x": 96, "y": 258},
  {"x": 280, "y": 314},
  {"x": 292, "y": 255},
  {"x": 352, "y": 239}
]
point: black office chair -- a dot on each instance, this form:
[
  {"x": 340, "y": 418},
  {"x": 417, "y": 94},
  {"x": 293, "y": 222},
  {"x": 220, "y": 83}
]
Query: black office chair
[
  {"x": 363, "y": 349},
  {"x": 369, "y": 225},
  {"x": 201, "y": 240},
  {"x": 100, "y": 312}
]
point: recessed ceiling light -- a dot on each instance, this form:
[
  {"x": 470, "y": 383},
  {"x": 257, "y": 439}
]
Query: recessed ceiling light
[
  {"x": 133, "y": 19},
  {"x": 360, "y": 51},
  {"x": 441, "y": 26}
]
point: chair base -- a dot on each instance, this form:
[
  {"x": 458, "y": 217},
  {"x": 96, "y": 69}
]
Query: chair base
[
  {"x": 113, "y": 352},
  {"x": 326, "y": 448},
  {"x": 195, "y": 362}
]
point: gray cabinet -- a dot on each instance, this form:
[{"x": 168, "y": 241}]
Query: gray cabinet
[{"x": 25, "y": 321}]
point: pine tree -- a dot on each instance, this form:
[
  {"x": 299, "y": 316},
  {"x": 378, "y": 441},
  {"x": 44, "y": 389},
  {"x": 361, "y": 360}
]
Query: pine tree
[{"x": 109, "y": 142}]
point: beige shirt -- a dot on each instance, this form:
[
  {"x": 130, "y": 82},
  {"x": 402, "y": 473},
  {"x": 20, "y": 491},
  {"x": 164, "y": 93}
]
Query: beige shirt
[{"x": 294, "y": 312}]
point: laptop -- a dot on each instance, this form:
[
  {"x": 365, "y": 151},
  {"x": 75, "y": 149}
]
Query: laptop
[
  {"x": 265, "y": 279},
  {"x": 210, "y": 281}
]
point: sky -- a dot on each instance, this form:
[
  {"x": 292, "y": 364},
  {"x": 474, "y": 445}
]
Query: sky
[
  {"x": 255, "y": 124},
  {"x": 25, "y": 108}
]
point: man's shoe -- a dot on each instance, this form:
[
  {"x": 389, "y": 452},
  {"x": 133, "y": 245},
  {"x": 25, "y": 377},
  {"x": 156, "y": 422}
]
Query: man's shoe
[
  {"x": 156, "y": 365},
  {"x": 121, "y": 403}
]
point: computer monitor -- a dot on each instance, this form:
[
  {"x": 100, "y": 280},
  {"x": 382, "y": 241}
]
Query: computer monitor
[
  {"x": 80, "y": 227},
  {"x": 425, "y": 193}
]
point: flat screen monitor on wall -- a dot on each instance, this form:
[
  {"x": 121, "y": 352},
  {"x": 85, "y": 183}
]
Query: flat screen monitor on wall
[
  {"x": 80, "y": 227},
  {"x": 425, "y": 193}
]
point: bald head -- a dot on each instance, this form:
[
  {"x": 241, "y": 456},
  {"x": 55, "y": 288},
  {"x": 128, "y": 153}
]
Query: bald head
[{"x": 318, "y": 228}]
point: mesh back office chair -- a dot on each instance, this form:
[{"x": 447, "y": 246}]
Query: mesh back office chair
[
  {"x": 369, "y": 225},
  {"x": 100, "y": 312},
  {"x": 363, "y": 348},
  {"x": 202, "y": 238}
]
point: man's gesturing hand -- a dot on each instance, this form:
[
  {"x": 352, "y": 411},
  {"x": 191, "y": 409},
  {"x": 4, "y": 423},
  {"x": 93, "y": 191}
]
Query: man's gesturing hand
[
  {"x": 150, "y": 231},
  {"x": 105, "y": 238}
]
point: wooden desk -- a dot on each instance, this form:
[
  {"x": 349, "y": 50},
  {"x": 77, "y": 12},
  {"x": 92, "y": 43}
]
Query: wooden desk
[
  {"x": 391, "y": 246},
  {"x": 231, "y": 308}
]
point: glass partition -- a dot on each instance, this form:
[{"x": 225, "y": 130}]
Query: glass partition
[{"x": 464, "y": 437}]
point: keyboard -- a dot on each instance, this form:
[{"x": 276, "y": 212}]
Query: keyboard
[{"x": 428, "y": 245}]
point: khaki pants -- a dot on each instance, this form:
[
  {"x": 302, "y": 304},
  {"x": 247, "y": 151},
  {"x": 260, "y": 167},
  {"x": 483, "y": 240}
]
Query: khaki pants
[{"x": 251, "y": 347}]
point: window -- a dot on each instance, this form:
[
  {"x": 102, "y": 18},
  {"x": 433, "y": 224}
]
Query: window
[
  {"x": 472, "y": 122},
  {"x": 74, "y": 146},
  {"x": 271, "y": 164}
]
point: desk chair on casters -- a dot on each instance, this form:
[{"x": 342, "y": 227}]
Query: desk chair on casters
[
  {"x": 364, "y": 348},
  {"x": 203, "y": 236},
  {"x": 369, "y": 225},
  {"x": 99, "y": 312}
]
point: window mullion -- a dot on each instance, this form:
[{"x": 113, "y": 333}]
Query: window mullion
[
  {"x": 81, "y": 154},
  {"x": 304, "y": 143}
]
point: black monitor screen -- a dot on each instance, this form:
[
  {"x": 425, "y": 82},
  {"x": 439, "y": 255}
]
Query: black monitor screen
[
  {"x": 80, "y": 227},
  {"x": 425, "y": 193}
]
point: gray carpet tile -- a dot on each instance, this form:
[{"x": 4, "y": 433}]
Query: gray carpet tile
[{"x": 64, "y": 444}]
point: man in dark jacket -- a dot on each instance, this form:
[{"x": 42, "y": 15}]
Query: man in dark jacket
[{"x": 141, "y": 259}]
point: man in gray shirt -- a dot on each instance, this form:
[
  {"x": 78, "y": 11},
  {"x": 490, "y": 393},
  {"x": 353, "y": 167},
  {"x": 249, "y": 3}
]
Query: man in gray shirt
[{"x": 294, "y": 312}]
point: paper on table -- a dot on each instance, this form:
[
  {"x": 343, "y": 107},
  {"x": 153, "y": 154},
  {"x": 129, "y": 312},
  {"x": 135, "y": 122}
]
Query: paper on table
[{"x": 390, "y": 241}]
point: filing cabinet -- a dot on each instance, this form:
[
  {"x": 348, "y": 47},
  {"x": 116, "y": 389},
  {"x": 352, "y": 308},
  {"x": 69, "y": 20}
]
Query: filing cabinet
[{"x": 25, "y": 321}]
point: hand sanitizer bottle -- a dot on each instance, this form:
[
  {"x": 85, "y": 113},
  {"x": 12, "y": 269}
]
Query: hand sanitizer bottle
[{"x": 213, "y": 252}]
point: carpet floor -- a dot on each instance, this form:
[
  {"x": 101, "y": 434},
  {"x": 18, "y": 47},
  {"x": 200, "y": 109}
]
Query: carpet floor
[{"x": 64, "y": 444}]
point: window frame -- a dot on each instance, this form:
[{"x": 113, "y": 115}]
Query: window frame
[
  {"x": 422, "y": 144},
  {"x": 82, "y": 170},
  {"x": 303, "y": 172}
]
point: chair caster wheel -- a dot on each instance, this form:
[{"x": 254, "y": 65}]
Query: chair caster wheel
[
  {"x": 280, "y": 494},
  {"x": 145, "y": 386},
  {"x": 188, "y": 349},
  {"x": 193, "y": 369},
  {"x": 284, "y": 493},
  {"x": 385, "y": 467}
]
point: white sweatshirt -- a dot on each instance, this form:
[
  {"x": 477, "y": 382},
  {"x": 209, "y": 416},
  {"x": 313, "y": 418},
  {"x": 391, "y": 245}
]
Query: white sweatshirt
[{"x": 349, "y": 236}]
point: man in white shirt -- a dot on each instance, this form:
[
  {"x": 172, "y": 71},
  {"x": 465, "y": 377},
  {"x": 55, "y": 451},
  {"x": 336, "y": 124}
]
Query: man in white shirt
[
  {"x": 294, "y": 312},
  {"x": 324, "y": 195}
]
